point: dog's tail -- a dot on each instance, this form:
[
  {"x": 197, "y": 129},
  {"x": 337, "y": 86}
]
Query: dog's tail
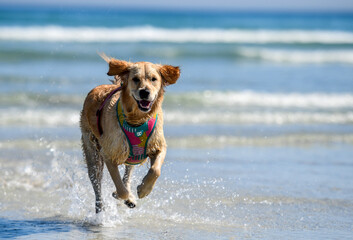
[{"x": 104, "y": 56}]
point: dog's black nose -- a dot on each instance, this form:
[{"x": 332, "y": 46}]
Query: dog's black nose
[{"x": 144, "y": 93}]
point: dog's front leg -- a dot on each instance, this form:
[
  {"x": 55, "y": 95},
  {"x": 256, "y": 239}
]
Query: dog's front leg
[
  {"x": 154, "y": 172},
  {"x": 121, "y": 190}
]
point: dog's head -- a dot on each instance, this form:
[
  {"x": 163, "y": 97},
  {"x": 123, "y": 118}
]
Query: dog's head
[{"x": 143, "y": 81}]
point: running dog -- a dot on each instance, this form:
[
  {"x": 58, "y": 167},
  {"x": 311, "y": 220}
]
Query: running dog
[{"x": 122, "y": 123}]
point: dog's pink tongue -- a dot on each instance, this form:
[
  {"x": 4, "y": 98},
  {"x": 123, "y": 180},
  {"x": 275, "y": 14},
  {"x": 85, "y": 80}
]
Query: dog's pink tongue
[{"x": 145, "y": 103}]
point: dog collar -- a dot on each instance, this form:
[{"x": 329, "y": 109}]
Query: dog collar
[{"x": 137, "y": 137}]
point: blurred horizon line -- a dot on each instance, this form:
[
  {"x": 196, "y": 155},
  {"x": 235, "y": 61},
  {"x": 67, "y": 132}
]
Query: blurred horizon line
[{"x": 169, "y": 9}]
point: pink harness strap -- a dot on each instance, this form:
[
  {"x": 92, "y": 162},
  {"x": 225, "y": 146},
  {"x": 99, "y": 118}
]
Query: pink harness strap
[{"x": 98, "y": 113}]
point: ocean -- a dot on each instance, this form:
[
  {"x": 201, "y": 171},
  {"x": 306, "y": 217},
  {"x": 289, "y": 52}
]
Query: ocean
[{"x": 259, "y": 126}]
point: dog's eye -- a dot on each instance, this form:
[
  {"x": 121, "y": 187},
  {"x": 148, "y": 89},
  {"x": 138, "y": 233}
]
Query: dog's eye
[
  {"x": 136, "y": 79},
  {"x": 154, "y": 79}
]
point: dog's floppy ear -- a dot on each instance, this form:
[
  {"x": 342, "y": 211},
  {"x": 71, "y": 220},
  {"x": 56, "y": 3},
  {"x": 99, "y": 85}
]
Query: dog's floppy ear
[
  {"x": 116, "y": 67},
  {"x": 170, "y": 74}
]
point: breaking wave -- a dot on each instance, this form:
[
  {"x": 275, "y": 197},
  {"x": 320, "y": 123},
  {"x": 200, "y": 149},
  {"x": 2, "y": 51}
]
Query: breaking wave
[
  {"x": 262, "y": 99},
  {"x": 153, "y": 34},
  {"x": 39, "y": 117},
  {"x": 200, "y": 99},
  {"x": 55, "y": 118},
  {"x": 258, "y": 117},
  {"x": 208, "y": 107},
  {"x": 297, "y": 56}
]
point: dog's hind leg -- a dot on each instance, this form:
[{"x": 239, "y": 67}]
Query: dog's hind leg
[
  {"x": 95, "y": 166},
  {"x": 127, "y": 182}
]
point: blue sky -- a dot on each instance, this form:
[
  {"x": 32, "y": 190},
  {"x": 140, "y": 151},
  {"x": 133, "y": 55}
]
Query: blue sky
[{"x": 270, "y": 5}]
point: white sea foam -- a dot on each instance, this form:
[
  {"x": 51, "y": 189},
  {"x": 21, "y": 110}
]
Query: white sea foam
[
  {"x": 215, "y": 107},
  {"x": 204, "y": 98},
  {"x": 47, "y": 118},
  {"x": 262, "y": 99},
  {"x": 39, "y": 117},
  {"x": 295, "y": 56},
  {"x": 257, "y": 117},
  {"x": 153, "y": 34}
]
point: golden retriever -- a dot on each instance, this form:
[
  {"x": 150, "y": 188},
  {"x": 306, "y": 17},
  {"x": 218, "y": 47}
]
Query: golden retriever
[{"x": 103, "y": 137}]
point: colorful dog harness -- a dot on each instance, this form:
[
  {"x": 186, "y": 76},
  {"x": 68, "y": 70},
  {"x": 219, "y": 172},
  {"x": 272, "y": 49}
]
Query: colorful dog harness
[{"x": 137, "y": 137}]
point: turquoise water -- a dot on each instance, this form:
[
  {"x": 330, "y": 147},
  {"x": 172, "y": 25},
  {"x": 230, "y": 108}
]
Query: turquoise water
[{"x": 259, "y": 126}]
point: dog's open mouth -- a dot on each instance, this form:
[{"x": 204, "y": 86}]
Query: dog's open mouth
[{"x": 144, "y": 105}]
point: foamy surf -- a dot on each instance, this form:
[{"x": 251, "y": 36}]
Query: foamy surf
[
  {"x": 313, "y": 100},
  {"x": 229, "y": 107},
  {"x": 262, "y": 99},
  {"x": 40, "y": 117},
  {"x": 295, "y": 55},
  {"x": 257, "y": 117},
  {"x": 183, "y": 35},
  {"x": 48, "y": 118},
  {"x": 298, "y": 56}
]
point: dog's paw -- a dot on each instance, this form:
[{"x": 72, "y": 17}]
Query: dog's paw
[
  {"x": 143, "y": 190},
  {"x": 130, "y": 204},
  {"x": 122, "y": 196}
]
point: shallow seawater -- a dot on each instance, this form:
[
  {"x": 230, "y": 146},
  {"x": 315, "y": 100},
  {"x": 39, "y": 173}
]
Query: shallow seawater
[
  {"x": 259, "y": 126},
  {"x": 260, "y": 192}
]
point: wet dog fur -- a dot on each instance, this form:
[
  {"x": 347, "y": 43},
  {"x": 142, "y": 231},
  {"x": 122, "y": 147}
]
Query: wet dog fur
[{"x": 141, "y": 96}]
